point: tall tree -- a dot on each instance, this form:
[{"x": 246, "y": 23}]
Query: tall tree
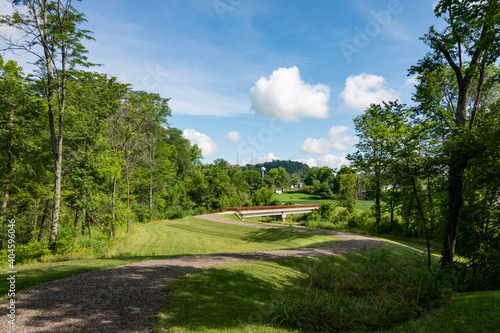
[
  {"x": 19, "y": 110},
  {"x": 51, "y": 33},
  {"x": 469, "y": 43}
]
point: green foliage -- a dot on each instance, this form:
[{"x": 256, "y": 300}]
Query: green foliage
[
  {"x": 327, "y": 211},
  {"x": 280, "y": 177},
  {"x": 264, "y": 197},
  {"x": 372, "y": 293},
  {"x": 347, "y": 193}
]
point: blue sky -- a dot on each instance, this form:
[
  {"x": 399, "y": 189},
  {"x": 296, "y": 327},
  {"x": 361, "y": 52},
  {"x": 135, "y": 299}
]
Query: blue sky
[{"x": 254, "y": 80}]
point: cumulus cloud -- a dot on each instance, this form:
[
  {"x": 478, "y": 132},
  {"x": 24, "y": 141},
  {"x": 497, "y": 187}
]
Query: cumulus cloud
[
  {"x": 285, "y": 96},
  {"x": 270, "y": 157},
  {"x": 336, "y": 140},
  {"x": 412, "y": 81},
  {"x": 311, "y": 162},
  {"x": 205, "y": 143},
  {"x": 362, "y": 90},
  {"x": 234, "y": 136},
  {"x": 333, "y": 161}
]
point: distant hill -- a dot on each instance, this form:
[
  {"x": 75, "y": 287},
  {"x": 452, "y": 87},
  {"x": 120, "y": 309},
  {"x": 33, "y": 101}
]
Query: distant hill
[{"x": 291, "y": 167}]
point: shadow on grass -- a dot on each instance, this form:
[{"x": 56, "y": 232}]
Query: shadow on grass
[
  {"x": 276, "y": 235},
  {"x": 221, "y": 299}
]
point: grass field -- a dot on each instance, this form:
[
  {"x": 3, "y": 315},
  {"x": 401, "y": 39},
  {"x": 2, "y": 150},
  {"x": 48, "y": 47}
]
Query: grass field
[
  {"x": 303, "y": 199},
  {"x": 241, "y": 297},
  {"x": 157, "y": 240},
  {"x": 194, "y": 236}
]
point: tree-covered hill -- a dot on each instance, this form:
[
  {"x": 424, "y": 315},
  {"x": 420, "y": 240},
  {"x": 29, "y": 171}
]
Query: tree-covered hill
[{"x": 291, "y": 167}]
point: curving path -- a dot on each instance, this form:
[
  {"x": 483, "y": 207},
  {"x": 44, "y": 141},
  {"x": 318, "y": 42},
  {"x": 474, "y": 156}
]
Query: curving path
[{"x": 121, "y": 299}]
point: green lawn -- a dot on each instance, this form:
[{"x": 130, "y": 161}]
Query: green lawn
[
  {"x": 305, "y": 199},
  {"x": 194, "y": 236},
  {"x": 467, "y": 312},
  {"x": 157, "y": 240},
  {"x": 241, "y": 297}
]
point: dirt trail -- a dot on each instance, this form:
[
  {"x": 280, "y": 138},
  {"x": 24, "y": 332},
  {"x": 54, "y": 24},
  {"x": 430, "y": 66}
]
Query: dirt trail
[{"x": 121, "y": 299}]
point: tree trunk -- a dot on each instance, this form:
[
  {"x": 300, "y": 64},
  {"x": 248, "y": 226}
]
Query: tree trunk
[
  {"x": 55, "y": 137},
  {"x": 8, "y": 174},
  {"x": 77, "y": 213},
  {"x": 42, "y": 223},
  {"x": 378, "y": 209},
  {"x": 128, "y": 198},
  {"x": 89, "y": 225},
  {"x": 84, "y": 215},
  {"x": 455, "y": 203},
  {"x": 35, "y": 221},
  {"x": 422, "y": 215},
  {"x": 151, "y": 196},
  {"x": 391, "y": 207},
  {"x": 113, "y": 201}
]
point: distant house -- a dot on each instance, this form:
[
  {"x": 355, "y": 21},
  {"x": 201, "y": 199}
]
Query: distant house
[
  {"x": 301, "y": 185},
  {"x": 278, "y": 190}
]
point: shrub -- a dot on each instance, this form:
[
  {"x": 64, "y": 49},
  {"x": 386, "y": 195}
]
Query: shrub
[
  {"x": 327, "y": 211},
  {"x": 375, "y": 292}
]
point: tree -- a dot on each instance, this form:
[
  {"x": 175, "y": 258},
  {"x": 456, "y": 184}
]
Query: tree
[
  {"x": 280, "y": 176},
  {"x": 51, "y": 34},
  {"x": 347, "y": 194},
  {"x": 20, "y": 109},
  {"x": 295, "y": 179},
  {"x": 469, "y": 43},
  {"x": 371, "y": 156},
  {"x": 253, "y": 178}
]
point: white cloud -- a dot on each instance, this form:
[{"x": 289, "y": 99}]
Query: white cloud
[
  {"x": 205, "y": 143},
  {"x": 270, "y": 157},
  {"x": 333, "y": 161},
  {"x": 311, "y": 162},
  {"x": 362, "y": 90},
  {"x": 234, "y": 136},
  {"x": 335, "y": 140},
  {"x": 412, "y": 81},
  {"x": 6, "y": 8},
  {"x": 285, "y": 96}
]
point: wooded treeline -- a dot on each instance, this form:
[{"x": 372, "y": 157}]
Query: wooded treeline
[
  {"x": 83, "y": 153},
  {"x": 438, "y": 162},
  {"x": 121, "y": 161}
]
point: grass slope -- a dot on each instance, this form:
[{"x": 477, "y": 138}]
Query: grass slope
[
  {"x": 467, "y": 312},
  {"x": 242, "y": 297},
  {"x": 193, "y": 236},
  {"x": 170, "y": 238}
]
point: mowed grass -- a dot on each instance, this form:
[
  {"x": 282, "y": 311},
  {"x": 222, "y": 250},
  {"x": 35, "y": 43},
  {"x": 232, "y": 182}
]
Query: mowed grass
[
  {"x": 157, "y": 240},
  {"x": 242, "y": 297},
  {"x": 189, "y": 236},
  {"x": 306, "y": 199},
  {"x": 467, "y": 312}
]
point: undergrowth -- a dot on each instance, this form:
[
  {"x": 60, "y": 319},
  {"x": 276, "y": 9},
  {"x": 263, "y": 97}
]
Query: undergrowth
[{"x": 374, "y": 292}]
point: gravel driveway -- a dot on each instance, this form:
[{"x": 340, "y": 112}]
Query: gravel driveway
[{"x": 121, "y": 299}]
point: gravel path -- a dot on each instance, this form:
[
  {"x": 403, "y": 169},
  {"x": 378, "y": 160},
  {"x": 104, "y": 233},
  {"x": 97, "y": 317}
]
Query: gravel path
[{"x": 121, "y": 299}]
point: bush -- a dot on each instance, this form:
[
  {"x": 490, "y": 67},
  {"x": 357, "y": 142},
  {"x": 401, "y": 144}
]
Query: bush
[
  {"x": 27, "y": 252},
  {"x": 327, "y": 211},
  {"x": 375, "y": 292}
]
